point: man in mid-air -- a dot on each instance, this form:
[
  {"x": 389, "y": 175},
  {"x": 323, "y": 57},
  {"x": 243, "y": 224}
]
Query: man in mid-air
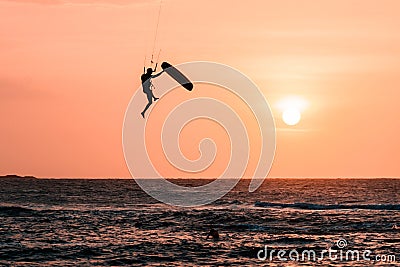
[{"x": 147, "y": 87}]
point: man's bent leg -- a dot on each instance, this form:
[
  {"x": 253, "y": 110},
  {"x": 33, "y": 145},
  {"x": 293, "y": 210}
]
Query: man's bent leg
[
  {"x": 149, "y": 98},
  {"x": 155, "y": 98}
]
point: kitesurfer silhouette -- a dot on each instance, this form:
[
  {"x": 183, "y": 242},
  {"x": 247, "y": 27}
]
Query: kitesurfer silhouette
[{"x": 147, "y": 87}]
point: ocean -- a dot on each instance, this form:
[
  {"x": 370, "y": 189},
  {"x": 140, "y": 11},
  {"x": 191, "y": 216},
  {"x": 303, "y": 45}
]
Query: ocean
[{"x": 286, "y": 222}]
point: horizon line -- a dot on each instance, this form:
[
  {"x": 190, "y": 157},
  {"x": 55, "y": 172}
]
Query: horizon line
[{"x": 182, "y": 178}]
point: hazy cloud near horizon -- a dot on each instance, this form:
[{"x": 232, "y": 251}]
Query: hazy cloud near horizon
[{"x": 81, "y": 2}]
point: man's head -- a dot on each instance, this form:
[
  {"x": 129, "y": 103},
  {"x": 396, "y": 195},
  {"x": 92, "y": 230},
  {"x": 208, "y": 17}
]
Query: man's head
[{"x": 149, "y": 71}]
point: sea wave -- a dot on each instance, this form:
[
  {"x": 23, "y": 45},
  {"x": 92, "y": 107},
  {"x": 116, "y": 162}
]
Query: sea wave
[
  {"x": 313, "y": 206},
  {"x": 13, "y": 210}
]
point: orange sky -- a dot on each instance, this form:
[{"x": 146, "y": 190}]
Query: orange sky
[{"x": 70, "y": 67}]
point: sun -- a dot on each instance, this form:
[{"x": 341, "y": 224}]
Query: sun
[
  {"x": 291, "y": 116},
  {"x": 292, "y": 107}
]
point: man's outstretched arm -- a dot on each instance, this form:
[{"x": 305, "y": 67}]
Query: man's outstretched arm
[{"x": 158, "y": 74}]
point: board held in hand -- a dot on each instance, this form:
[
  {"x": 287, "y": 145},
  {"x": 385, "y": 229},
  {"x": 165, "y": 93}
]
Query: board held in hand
[{"x": 177, "y": 75}]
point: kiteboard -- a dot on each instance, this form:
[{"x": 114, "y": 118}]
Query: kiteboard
[{"x": 177, "y": 75}]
